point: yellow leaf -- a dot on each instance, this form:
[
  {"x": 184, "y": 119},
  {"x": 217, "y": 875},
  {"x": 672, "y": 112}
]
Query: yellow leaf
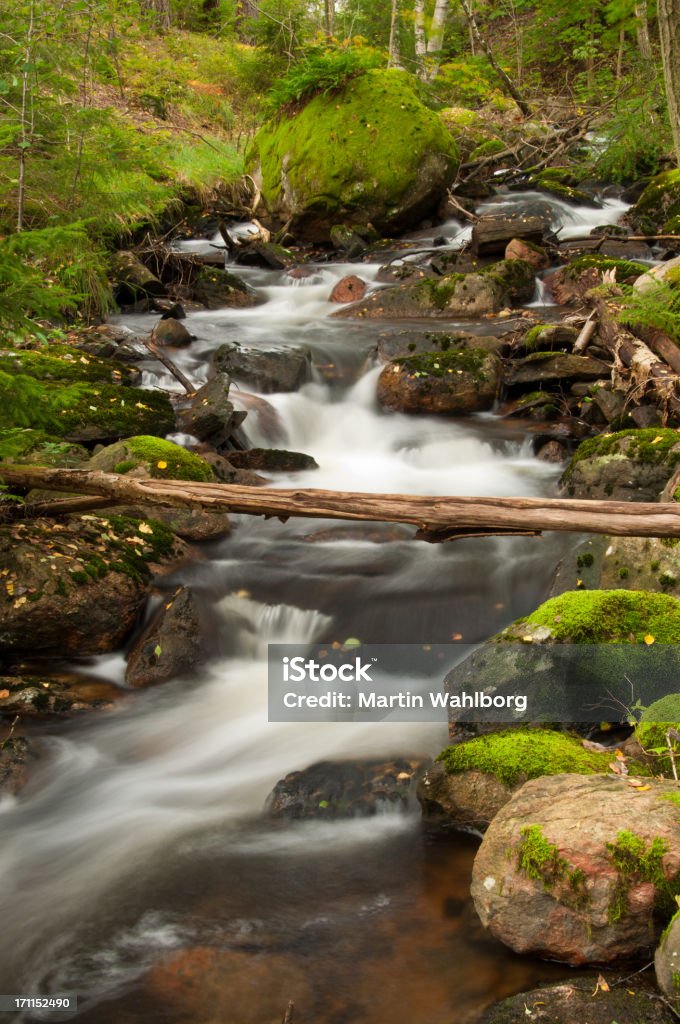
[
  {"x": 657, "y": 439},
  {"x": 649, "y": 639},
  {"x": 162, "y": 464},
  {"x": 145, "y": 528}
]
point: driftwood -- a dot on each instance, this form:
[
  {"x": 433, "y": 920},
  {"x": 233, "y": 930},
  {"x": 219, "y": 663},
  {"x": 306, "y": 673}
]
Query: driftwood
[{"x": 437, "y": 518}]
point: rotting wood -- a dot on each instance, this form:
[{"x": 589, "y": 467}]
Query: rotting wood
[{"x": 437, "y": 518}]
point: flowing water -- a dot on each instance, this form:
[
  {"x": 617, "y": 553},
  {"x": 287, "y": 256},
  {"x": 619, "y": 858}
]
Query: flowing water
[{"x": 136, "y": 869}]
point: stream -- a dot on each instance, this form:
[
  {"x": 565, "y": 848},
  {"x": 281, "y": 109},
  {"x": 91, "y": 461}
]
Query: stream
[{"x": 137, "y": 871}]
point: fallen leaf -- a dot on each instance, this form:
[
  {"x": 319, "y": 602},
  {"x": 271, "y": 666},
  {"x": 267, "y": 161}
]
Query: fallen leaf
[
  {"x": 649, "y": 639},
  {"x": 162, "y": 464},
  {"x": 4, "y": 694}
]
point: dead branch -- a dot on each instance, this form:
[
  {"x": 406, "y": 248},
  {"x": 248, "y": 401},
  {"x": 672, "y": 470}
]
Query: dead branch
[
  {"x": 170, "y": 366},
  {"x": 437, "y": 518}
]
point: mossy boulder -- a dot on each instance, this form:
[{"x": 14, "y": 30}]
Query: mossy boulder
[
  {"x": 74, "y": 587},
  {"x": 371, "y": 153},
  {"x": 667, "y": 962},
  {"x": 553, "y": 186},
  {"x": 550, "y": 338},
  {"x": 404, "y": 342},
  {"x": 659, "y": 205},
  {"x": 580, "y": 868},
  {"x": 582, "y": 999},
  {"x": 621, "y": 563},
  {"x": 148, "y": 456},
  {"x": 471, "y": 781},
  {"x": 83, "y": 412},
  {"x": 629, "y": 465},
  {"x": 36, "y": 448},
  {"x": 508, "y": 282},
  {"x": 67, "y": 363},
  {"x": 457, "y": 382},
  {"x": 555, "y": 366},
  {"x": 215, "y": 288}
]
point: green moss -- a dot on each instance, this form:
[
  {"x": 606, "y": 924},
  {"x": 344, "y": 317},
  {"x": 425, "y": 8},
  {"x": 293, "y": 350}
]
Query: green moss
[
  {"x": 488, "y": 148},
  {"x": 667, "y": 579},
  {"x": 653, "y": 445},
  {"x": 659, "y": 203},
  {"x": 555, "y": 188},
  {"x": 438, "y": 293},
  {"x": 517, "y": 278},
  {"x": 624, "y": 572},
  {"x": 636, "y": 862},
  {"x": 517, "y": 755},
  {"x": 162, "y": 460},
  {"x": 80, "y": 409},
  {"x": 623, "y": 268},
  {"x": 541, "y": 860},
  {"x": 61, "y": 362},
  {"x": 652, "y": 733},
  {"x": 355, "y": 155},
  {"x": 585, "y": 561},
  {"x": 609, "y": 616},
  {"x": 441, "y": 364},
  {"x": 36, "y": 448}
]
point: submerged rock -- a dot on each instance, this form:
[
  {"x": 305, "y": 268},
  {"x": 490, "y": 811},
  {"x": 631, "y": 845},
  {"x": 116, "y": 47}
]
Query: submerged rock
[
  {"x": 369, "y": 153},
  {"x": 580, "y": 868},
  {"x": 456, "y": 382},
  {"x": 345, "y": 789}
]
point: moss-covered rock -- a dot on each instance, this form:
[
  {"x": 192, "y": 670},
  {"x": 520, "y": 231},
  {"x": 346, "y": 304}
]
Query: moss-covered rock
[
  {"x": 403, "y": 342},
  {"x": 215, "y": 288},
  {"x": 546, "y": 182},
  {"x": 550, "y": 338},
  {"x": 82, "y": 411},
  {"x": 74, "y": 587},
  {"x": 457, "y": 382},
  {"x": 62, "y": 362},
  {"x": 582, "y": 999},
  {"x": 150, "y": 456},
  {"x": 621, "y": 563},
  {"x": 36, "y": 448},
  {"x": 372, "y": 153},
  {"x": 629, "y": 465},
  {"x": 625, "y": 269},
  {"x": 658, "y": 206},
  {"x": 600, "y": 617}
]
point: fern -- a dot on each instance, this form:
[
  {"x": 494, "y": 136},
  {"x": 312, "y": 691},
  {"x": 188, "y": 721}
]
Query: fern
[
  {"x": 321, "y": 71},
  {"x": 657, "y": 307}
]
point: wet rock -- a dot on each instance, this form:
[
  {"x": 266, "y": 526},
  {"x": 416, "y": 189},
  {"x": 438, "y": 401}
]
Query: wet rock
[
  {"x": 132, "y": 280},
  {"x": 581, "y": 999},
  {"x": 620, "y": 563},
  {"x": 347, "y": 241},
  {"x": 550, "y": 338},
  {"x": 75, "y": 587},
  {"x": 552, "y": 451},
  {"x": 455, "y": 383},
  {"x": 50, "y": 696},
  {"x": 272, "y": 460},
  {"x": 372, "y": 153},
  {"x": 211, "y": 416},
  {"x": 215, "y": 288},
  {"x": 172, "y": 333},
  {"x": 170, "y": 644},
  {"x": 350, "y": 289},
  {"x": 630, "y": 465},
  {"x": 580, "y": 868},
  {"x": 16, "y": 756},
  {"x": 658, "y": 208},
  {"x": 269, "y": 370},
  {"x": 468, "y": 800},
  {"x": 345, "y": 789},
  {"x": 401, "y": 344},
  {"x": 226, "y": 473},
  {"x": 520, "y": 249},
  {"x": 492, "y": 233},
  {"x": 667, "y": 962},
  {"x": 545, "y": 366},
  {"x": 401, "y": 271}
]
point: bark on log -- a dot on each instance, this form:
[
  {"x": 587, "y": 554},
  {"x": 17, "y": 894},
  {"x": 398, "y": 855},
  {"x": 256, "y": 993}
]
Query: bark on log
[{"x": 437, "y": 518}]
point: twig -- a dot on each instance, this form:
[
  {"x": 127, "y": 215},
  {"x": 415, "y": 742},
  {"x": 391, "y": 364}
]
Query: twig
[
  {"x": 9, "y": 735},
  {"x": 461, "y": 209},
  {"x": 288, "y": 1015},
  {"x": 169, "y": 365}
]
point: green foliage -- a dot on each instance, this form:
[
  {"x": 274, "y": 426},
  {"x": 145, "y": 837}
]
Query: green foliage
[
  {"x": 658, "y": 307},
  {"x": 322, "y": 70},
  {"x": 469, "y": 82},
  {"x": 623, "y": 268},
  {"x": 634, "y": 139},
  {"x": 516, "y": 755}
]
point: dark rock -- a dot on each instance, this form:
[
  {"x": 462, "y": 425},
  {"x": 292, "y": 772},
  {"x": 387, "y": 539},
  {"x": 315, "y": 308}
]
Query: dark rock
[
  {"x": 54, "y": 695},
  {"x": 266, "y": 254},
  {"x": 170, "y": 644},
  {"x": 545, "y": 366},
  {"x": 350, "y": 289},
  {"x": 132, "y": 280},
  {"x": 345, "y": 789},
  {"x": 611, "y": 403},
  {"x": 552, "y": 451},
  {"x": 492, "y": 233},
  {"x": 584, "y": 1000},
  {"x": 454, "y": 383},
  {"x": 645, "y": 416},
  {"x": 228, "y": 474},
  {"x": 169, "y": 331},
  {"x": 630, "y": 465},
  {"x": 272, "y": 460},
  {"x": 211, "y": 416},
  {"x": 216, "y": 288},
  {"x": 550, "y": 338},
  {"x": 400, "y": 344},
  {"x": 346, "y": 240},
  {"x": 16, "y": 756},
  {"x": 564, "y": 869},
  {"x": 466, "y": 800},
  {"x": 269, "y": 370},
  {"x": 171, "y": 310}
]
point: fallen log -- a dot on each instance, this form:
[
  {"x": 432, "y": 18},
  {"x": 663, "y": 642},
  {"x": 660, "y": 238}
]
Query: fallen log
[{"x": 437, "y": 518}]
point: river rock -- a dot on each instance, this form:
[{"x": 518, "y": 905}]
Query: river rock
[
  {"x": 454, "y": 383},
  {"x": 520, "y": 249},
  {"x": 350, "y": 289},
  {"x": 16, "y": 756},
  {"x": 268, "y": 370},
  {"x": 345, "y": 789},
  {"x": 623, "y": 563},
  {"x": 581, "y": 1000},
  {"x": 171, "y": 332},
  {"x": 630, "y": 465},
  {"x": 401, "y": 344},
  {"x": 193, "y": 525},
  {"x": 492, "y": 234},
  {"x": 369, "y": 153},
  {"x": 272, "y": 460},
  {"x": 74, "y": 587},
  {"x": 151, "y": 457},
  {"x": 545, "y": 366},
  {"x": 216, "y": 288},
  {"x": 54, "y": 695},
  {"x": 667, "y": 962},
  {"x": 550, "y": 338},
  {"x": 211, "y": 416},
  {"x": 580, "y": 868},
  {"x": 170, "y": 645},
  {"x": 468, "y": 800}
]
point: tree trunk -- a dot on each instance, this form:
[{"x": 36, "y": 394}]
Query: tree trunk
[
  {"x": 642, "y": 31},
  {"x": 160, "y": 11},
  {"x": 329, "y": 16},
  {"x": 26, "y": 129},
  {"x": 393, "y": 61},
  {"x": 669, "y": 33},
  {"x": 481, "y": 42},
  {"x": 419, "y": 26},
  {"x": 435, "y": 41},
  {"x": 437, "y": 518}
]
